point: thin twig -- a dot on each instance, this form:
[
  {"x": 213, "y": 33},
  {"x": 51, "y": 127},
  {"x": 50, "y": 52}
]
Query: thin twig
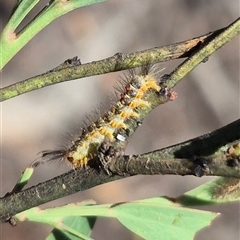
[{"x": 73, "y": 69}]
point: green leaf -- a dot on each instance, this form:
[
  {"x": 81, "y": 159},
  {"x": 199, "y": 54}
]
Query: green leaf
[
  {"x": 23, "y": 180},
  {"x": 20, "y": 11},
  {"x": 159, "y": 218},
  {"x": 156, "y": 218},
  {"x": 220, "y": 190},
  {"x": 66, "y": 220},
  {"x": 11, "y": 42},
  {"x": 81, "y": 225}
]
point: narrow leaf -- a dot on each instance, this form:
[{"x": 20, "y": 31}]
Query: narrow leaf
[
  {"x": 220, "y": 190},
  {"x": 159, "y": 218}
]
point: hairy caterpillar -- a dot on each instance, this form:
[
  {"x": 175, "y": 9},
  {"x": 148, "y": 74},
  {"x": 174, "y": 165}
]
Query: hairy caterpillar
[{"x": 133, "y": 100}]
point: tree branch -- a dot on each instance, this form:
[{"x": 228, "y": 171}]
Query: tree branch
[
  {"x": 209, "y": 152},
  {"x": 73, "y": 69},
  {"x": 206, "y": 155}
]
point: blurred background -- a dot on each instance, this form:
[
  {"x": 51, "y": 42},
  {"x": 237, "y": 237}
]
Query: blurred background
[{"x": 207, "y": 99}]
